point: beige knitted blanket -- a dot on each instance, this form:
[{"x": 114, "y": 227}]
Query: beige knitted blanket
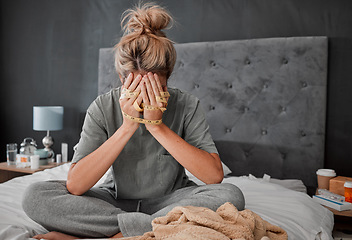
[{"x": 202, "y": 223}]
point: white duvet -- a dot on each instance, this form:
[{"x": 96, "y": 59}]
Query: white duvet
[{"x": 294, "y": 211}]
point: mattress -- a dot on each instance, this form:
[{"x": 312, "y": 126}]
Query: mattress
[{"x": 280, "y": 202}]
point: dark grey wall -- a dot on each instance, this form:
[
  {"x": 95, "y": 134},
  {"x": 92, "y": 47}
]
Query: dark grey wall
[{"x": 49, "y": 55}]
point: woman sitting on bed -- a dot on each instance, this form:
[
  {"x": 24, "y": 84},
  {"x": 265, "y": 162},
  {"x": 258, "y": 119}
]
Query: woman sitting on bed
[{"x": 146, "y": 146}]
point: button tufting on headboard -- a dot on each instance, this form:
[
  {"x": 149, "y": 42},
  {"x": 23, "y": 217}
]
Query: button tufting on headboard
[
  {"x": 264, "y": 99},
  {"x": 263, "y": 102},
  {"x": 264, "y": 132}
]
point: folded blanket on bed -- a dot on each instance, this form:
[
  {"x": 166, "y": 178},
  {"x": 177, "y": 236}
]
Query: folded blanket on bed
[{"x": 202, "y": 223}]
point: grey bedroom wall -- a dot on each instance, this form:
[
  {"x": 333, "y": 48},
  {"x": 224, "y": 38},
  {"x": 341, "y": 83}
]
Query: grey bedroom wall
[{"x": 49, "y": 55}]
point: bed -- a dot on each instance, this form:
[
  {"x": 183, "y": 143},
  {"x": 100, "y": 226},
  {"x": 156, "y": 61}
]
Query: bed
[{"x": 265, "y": 101}]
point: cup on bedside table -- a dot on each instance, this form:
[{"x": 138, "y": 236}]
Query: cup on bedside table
[
  {"x": 324, "y": 176},
  {"x": 11, "y": 152},
  {"x": 35, "y": 161}
]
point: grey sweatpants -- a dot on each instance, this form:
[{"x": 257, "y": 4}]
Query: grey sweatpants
[{"x": 98, "y": 214}]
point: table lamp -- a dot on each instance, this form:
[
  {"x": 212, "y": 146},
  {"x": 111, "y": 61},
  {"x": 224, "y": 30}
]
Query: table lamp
[{"x": 48, "y": 118}]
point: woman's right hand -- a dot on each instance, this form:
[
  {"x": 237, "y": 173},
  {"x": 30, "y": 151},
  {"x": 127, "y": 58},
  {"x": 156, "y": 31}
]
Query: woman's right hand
[{"x": 132, "y": 84}]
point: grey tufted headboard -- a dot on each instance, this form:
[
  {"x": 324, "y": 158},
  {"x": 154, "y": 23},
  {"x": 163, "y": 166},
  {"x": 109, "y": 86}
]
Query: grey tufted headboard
[{"x": 265, "y": 100}]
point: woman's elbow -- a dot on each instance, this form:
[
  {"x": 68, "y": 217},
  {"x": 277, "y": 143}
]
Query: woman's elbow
[
  {"x": 218, "y": 172},
  {"x": 72, "y": 185},
  {"x": 73, "y": 188},
  {"x": 216, "y": 178}
]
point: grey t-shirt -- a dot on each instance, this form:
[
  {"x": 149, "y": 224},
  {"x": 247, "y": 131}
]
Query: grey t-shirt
[{"x": 144, "y": 169}]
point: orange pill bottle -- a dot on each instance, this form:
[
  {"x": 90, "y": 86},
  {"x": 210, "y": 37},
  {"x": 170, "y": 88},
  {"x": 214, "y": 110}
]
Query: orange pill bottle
[{"x": 348, "y": 191}]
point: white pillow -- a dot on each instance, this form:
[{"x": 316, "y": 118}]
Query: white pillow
[
  {"x": 191, "y": 177},
  {"x": 226, "y": 169}
]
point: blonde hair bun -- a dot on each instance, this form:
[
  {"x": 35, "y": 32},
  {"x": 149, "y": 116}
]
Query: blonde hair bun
[
  {"x": 143, "y": 46},
  {"x": 145, "y": 19}
]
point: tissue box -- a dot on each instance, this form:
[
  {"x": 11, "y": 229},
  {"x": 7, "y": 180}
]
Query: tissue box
[{"x": 336, "y": 184}]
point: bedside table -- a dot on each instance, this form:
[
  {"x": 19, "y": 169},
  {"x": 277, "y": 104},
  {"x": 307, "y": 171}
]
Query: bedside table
[
  {"x": 343, "y": 220},
  {"x": 8, "y": 172}
]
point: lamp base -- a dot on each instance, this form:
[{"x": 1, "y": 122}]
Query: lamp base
[{"x": 48, "y": 141}]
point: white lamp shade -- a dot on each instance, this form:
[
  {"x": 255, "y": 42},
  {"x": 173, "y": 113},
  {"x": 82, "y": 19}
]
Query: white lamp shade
[{"x": 48, "y": 118}]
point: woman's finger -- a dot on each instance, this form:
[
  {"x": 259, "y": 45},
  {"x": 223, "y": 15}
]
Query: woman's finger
[
  {"x": 150, "y": 91},
  {"x": 154, "y": 84},
  {"x": 137, "y": 90},
  {"x": 135, "y": 83},
  {"x": 160, "y": 89},
  {"x": 158, "y": 82},
  {"x": 144, "y": 94},
  {"x": 128, "y": 81},
  {"x": 137, "y": 103}
]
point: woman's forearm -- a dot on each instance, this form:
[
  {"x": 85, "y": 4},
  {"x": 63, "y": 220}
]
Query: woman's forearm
[
  {"x": 86, "y": 173},
  {"x": 205, "y": 166}
]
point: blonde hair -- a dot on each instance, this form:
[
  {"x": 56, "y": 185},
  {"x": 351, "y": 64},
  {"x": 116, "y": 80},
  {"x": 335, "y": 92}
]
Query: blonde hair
[{"x": 144, "y": 47}]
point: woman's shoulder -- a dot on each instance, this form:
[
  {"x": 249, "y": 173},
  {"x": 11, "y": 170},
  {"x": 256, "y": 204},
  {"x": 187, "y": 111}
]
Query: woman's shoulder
[
  {"x": 182, "y": 96},
  {"x": 105, "y": 101},
  {"x": 110, "y": 95},
  {"x": 182, "y": 102}
]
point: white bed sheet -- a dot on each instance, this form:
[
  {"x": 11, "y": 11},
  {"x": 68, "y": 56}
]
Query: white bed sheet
[{"x": 294, "y": 211}]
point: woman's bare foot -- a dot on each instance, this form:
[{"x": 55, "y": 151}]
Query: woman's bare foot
[
  {"x": 55, "y": 236},
  {"x": 119, "y": 235}
]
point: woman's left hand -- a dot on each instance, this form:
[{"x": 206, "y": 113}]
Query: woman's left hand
[{"x": 150, "y": 90}]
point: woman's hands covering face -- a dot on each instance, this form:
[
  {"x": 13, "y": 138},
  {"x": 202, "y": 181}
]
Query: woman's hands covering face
[{"x": 146, "y": 90}]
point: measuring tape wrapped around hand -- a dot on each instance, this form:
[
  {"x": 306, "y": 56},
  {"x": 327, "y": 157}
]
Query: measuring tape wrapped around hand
[{"x": 140, "y": 108}]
